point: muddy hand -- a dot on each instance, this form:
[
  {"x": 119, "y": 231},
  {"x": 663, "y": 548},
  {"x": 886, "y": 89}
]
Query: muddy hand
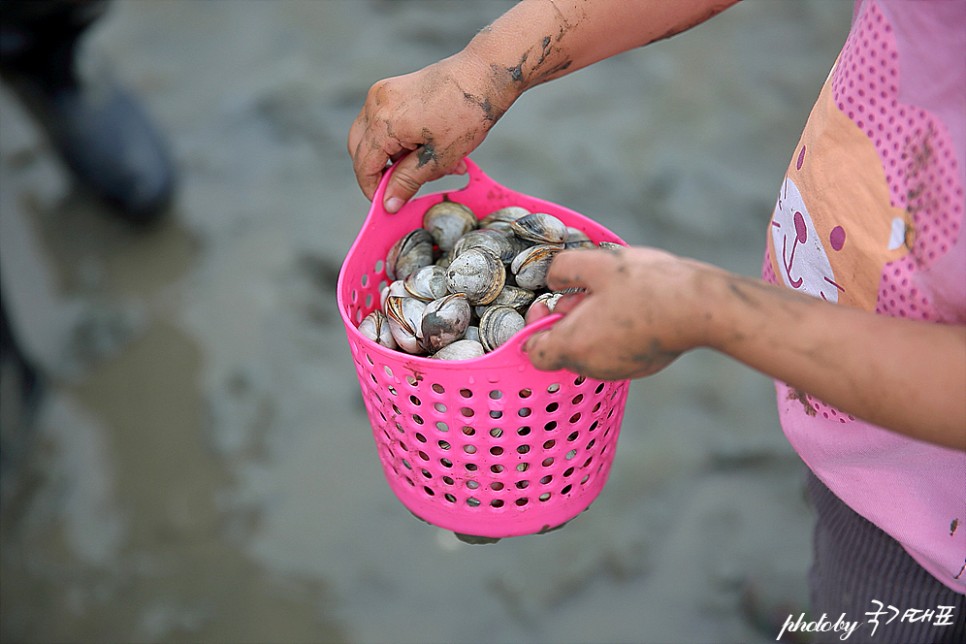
[
  {"x": 428, "y": 120},
  {"x": 640, "y": 311}
]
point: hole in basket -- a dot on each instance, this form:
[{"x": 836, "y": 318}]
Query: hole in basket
[
  {"x": 426, "y": 473},
  {"x": 596, "y": 408},
  {"x": 495, "y": 414},
  {"x": 354, "y": 296},
  {"x": 369, "y": 359},
  {"x": 579, "y": 380},
  {"x": 410, "y": 481},
  {"x": 448, "y": 480},
  {"x": 525, "y": 393},
  {"x": 522, "y": 501},
  {"x": 593, "y": 426},
  {"x": 544, "y": 497},
  {"x": 473, "y": 502},
  {"x": 523, "y": 449},
  {"x": 413, "y": 381},
  {"x": 406, "y": 464},
  {"x": 471, "y": 467},
  {"x": 472, "y": 484},
  {"x": 549, "y": 444},
  {"x": 522, "y": 485},
  {"x": 552, "y": 425},
  {"x": 496, "y": 486},
  {"x": 469, "y": 431},
  {"x": 566, "y": 489},
  {"x": 445, "y": 462},
  {"x": 373, "y": 376},
  {"x": 573, "y": 436},
  {"x": 423, "y": 455},
  {"x": 523, "y": 431},
  {"x": 496, "y": 451},
  {"x": 496, "y": 432},
  {"x": 466, "y": 393},
  {"x": 571, "y": 454},
  {"x": 573, "y": 419},
  {"x": 388, "y": 371},
  {"x": 577, "y": 399},
  {"x": 368, "y": 301},
  {"x": 552, "y": 407},
  {"x": 403, "y": 446},
  {"x": 496, "y": 503},
  {"x": 523, "y": 467},
  {"x": 449, "y": 497},
  {"x": 546, "y": 479},
  {"x": 416, "y": 401},
  {"x": 599, "y": 389},
  {"x": 469, "y": 449},
  {"x": 438, "y": 388},
  {"x": 587, "y": 462},
  {"x": 392, "y": 390},
  {"x": 443, "y": 445},
  {"x": 467, "y": 412},
  {"x": 591, "y": 443},
  {"x": 547, "y": 462},
  {"x": 496, "y": 469},
  {"x": 441, "y": 426},
  {"x": 524, "y": 412},
  {"x": 418, "y": 419},
  {"x": 496, "y": 394},
  {"x": 420, "y": 437},
  {"x": 585, "y": 479},
  {"x": 554, "y": 388},
  {"x": 358, "y": 316},
  {"x": 568, "y": 472},
  {"x": 440, "y": 407},
  {"x": 379, "y": 266}
]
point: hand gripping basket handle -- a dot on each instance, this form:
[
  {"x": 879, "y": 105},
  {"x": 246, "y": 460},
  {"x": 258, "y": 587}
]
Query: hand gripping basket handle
[{"x": 473, "y": 171}]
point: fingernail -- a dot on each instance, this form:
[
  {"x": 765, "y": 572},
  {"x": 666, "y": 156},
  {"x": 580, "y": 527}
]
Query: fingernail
[{"x": 393, "y": 204}]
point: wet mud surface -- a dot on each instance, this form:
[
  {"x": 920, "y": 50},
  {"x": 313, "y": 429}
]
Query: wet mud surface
[{"x": 201, "y": 467}]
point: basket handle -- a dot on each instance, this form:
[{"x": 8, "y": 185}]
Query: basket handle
[
  {"x": 473, "y": 171},
  {"x": 512, "y": 352}
]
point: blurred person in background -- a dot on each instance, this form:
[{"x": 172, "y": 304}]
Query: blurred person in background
[
  {"x": 107, "y": 142},
  {"x": 860, "y": 315}
]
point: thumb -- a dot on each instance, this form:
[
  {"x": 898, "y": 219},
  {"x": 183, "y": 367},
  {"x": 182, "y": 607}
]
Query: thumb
[{"x": 408, "y": 176}]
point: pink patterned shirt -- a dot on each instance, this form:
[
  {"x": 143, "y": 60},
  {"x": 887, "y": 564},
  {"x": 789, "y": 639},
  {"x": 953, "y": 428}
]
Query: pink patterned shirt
[{"x": 870, "y": 215}]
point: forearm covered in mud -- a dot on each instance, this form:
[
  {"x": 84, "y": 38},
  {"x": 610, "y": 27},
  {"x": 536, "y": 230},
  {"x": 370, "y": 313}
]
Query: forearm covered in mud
[{"x": 539, "y": 40}]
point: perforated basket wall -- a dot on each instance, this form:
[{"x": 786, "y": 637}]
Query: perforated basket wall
[{"x": 490, "y": 446}]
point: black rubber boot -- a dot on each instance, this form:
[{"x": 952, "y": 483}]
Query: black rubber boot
[{"x": 102, "y": 134}]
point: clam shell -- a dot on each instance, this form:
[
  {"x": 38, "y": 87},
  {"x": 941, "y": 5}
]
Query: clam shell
[
  {"x": 530, "y": 267},
  {"x": 499, "y": 324},
  {"x": 447, "y": 221},
  {"x": 503, "y": 215},
  {"x": 577, "y": 238},
  {"x": 495, "y": 241},
  {"x": 410, "y": 253},
  {"x": 460, "y": 350},
  {"x": 405, "y": 315},
  {"x": 428, "y": 283},
  {"x": 477, "y": 273},
  {"x": 375, "y": 326},
  {"x": 444, "y": 321},
  {"x": 540, "y": 228}
]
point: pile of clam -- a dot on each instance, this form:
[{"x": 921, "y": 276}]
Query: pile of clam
[{"x": 461, "y": 286}]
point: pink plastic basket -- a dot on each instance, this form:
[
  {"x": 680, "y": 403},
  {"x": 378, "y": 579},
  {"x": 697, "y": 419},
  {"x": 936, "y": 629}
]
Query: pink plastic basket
[{"x": 490, "y": 447}]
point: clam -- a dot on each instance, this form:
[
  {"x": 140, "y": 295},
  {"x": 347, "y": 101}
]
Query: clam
[
  {"x": 428, "y": 283},
  {"x": 460, "y": 350},
  {"x": 497, "y": 242},
  {"x": 410, "y": 253},
  {"x": 530, "y": 267},
  {"x": 540, "y": 228},
  {"x": 577, "y": 238},
  {"x": 472, "y": 333},
  {"x": 477, "y": 273},
  {"x": 518, "y": 298},
  {"x": 396, "y": 287},
  {"x": 549, "y": 299},
  {"x": 444, "y": 321},
  {"x": 503, "y": 215},
  {"x": 447, "y": 221},
  {"x": 375, "y": 326},
  {"x": 405, "y": 315},
  {"x": 498, "y": 325},
  {"x": 606, "y": 245}
]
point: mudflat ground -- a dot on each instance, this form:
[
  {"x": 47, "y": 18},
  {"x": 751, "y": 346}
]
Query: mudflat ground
[{"x": 201, "y": 467}]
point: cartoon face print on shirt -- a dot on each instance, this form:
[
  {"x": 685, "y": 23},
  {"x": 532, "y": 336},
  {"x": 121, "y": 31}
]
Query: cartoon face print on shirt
[{"x": 834, "y": 227}]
